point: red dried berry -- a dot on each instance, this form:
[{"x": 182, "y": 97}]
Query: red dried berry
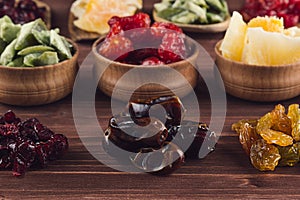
[
  {"x": 172, "y": 48},
  {"x": 137, "y": 56},
  {"x": 152, "y": 61},
  {"x": 116, "y": 48},
  {"x": 159, "y": 29},
  {"x": 115, "y": 29}
]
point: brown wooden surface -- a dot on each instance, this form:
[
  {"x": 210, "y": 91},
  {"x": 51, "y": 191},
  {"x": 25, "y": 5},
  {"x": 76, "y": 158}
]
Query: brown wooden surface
[{"x": 224, "y": 174}]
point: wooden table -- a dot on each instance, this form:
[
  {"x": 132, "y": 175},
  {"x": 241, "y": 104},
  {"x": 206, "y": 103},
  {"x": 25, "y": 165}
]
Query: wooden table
[{"x": 224, "y": 174}]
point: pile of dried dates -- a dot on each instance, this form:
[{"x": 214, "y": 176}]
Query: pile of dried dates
[
  {"x": 26, "y": 144},
  {"x": 124, "y": 42},
  {"x": 272, "y": 140},
  {"x": 155, "y": 144}
]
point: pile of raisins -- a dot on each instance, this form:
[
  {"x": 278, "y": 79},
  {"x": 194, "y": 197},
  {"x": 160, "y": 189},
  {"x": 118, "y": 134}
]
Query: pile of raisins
[
  {"x": 132, "y": 137},
  {"x": 25, "y": 144},
  {"x": 273, "y": 140},
  {"x": 126, "y": 35},
  {"x": 22, "y": 11}
]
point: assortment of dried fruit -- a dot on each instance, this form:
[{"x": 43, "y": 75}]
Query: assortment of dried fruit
[
  {"x": 28, "y": 144},
  {"x": 193, "y": 12},
  {"x": 31, "y": 44},
  {"x": 149, "y": 144},
  {"x": 122, "y": 45},
  {"x": 21, "y": 11},
  {"x": 289, "y": 10},
  {"x": 262, "y": 41},
  {"x": 272, "y": 140}
]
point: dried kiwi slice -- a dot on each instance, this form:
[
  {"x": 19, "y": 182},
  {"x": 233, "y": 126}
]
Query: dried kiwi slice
[
  {"x": 41, "y": 59},
  {"x": 35, "y": 49},
  {"x": 8, "y": 53},
  {"x": 26, "y": 38},
  {"x": 57, "y": 41}
]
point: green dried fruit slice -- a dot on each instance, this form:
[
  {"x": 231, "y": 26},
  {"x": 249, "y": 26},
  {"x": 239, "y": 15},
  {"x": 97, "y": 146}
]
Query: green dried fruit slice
[
  {"x": 18, "y": 62},
  {"x": 41, "y": 59},
  {"x": 9, "y": 31},
  {"x": 8, "y": 53},
  {"x": 35, "y": 49},
  {"x": 26, "y": 38},
  {"x": 57, "y": 41}
]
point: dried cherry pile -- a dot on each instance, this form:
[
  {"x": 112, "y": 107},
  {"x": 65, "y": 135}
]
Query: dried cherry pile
[
  {"x": 163, "y": 137},
  {"x": 25, "y": 144},
  {"x": 289, "y": 10},
  {"x": 273, "y": 140},
  {"x": 22, "y": 11},
  {"x": 127, "y": 34}
]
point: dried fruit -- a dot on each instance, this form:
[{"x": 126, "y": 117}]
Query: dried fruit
[
  {"x": 264, "y": 156},
  {"x": 247, "y": 133},
  {"x": 288, "y": 10},
  {"x": 172, "y": 48},
  {"x": 27, "y": 143},
  {"x": 155, "y": 145},
  {"x": 271, "y": 139},
  {"x": 289, "y": 155},
  {"x": 116, "y": 48},
  {"x": 294, "y": 115},
  {"x": 161, "y": 43}
]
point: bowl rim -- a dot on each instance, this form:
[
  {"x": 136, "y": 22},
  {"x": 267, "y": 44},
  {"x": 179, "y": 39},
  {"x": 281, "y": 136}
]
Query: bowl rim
[
  {"x": 74, "y": 56},
  {"x": 218, "y": 53},
  {"x": 194, "y": 54}
]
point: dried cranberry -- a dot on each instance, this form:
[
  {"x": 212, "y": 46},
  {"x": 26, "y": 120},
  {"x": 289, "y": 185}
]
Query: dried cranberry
[
  {"x": 139, "y": 55},
  {"x": 115, "y": 29},
  {"x": 172, "y": 48},
  {"x": 116, "y": 48},
  {"x": 9, "y": 117},
  {"x": 60, "y": 145},
  {"x": 152, "y": 61},
  {"x": 289, "y": 19},
  {"x": 159, "y": 29}
]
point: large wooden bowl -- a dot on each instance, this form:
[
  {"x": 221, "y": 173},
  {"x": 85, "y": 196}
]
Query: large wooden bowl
[
  {"x": 258, "y": 83},
  {"x": 27, "y": 86},
  {"x": 110, "y": 79}
]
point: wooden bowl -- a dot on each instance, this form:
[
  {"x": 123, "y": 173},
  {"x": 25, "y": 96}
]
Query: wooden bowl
[
  {"x": 27, "y": 86},
  {"x": 258, "y": 83},
  {"x": 113, "y": 72},
  {"x": 200, "y": 28}
]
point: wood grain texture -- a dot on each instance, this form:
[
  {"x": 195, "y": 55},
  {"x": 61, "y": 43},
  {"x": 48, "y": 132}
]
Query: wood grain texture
[
  {"x": 224, "y": 174},
  {"x": 28, "y": 86}
]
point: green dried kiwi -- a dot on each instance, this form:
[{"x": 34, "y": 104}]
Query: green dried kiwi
[
  {"x": 26, "y": 38},
  {"x": 168, "y": 13},
  {"x": 216, "y": 4},
  {"x": 41, "y": 59},
  {"x": 43, "y": 37},
  {"x": 18, "y": 62},
  {"x": 57, "y": 42},
  {"x": 35, "y": 49},
  {"x": 8, "y": 53},
  {"x": 3, "y": 44},
  {"x": 214, "y": 18},
  {"x": 5, "y": 19},
  {"x": 9, "y": 31},
  {"x": 185, "y": 18}
]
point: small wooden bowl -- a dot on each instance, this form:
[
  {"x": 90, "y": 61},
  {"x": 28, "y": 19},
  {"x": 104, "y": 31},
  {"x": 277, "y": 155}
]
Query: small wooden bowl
[
  {"x": 199, "y": 28},
  {"x": 27, "y": 86},
  {"x": 115, "y": 70},
  {"x": 258, "y": 83}
]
